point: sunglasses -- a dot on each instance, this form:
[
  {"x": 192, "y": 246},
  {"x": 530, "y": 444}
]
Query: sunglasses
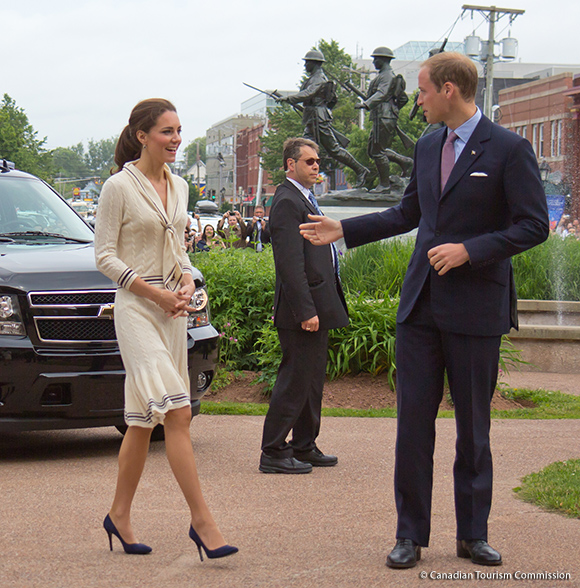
[{"x": 310, "y": 161}]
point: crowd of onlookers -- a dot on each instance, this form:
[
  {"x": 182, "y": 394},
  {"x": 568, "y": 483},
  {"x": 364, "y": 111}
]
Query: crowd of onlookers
[
  {"x": 232, "y": 231},
  {"x": 567, "y": 227}
]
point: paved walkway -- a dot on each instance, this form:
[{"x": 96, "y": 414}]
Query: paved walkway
[{"x": 329, "y": 529}]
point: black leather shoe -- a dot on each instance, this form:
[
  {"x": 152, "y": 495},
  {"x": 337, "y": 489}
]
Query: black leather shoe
[
  {"x": 317, "y": 458},
  {"x": 405, "y": 554},
  {"x": 479, "y": 551},
  {"x": 284, "y": 465}
]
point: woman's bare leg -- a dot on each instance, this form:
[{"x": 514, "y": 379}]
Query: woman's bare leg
[
  {"x": 182, "y": 462},
  {"x": 132, "y": 456}
]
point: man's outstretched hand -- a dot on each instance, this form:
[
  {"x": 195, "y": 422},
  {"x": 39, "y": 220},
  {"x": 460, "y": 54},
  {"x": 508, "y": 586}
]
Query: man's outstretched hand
[{"x": 322, "y": 230}]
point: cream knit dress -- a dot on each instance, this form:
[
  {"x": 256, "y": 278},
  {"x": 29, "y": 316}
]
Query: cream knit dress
[{"x": 136, "y": 237}]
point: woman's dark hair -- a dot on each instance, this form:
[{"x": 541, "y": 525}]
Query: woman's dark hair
[{"x": 143, "y": 118}]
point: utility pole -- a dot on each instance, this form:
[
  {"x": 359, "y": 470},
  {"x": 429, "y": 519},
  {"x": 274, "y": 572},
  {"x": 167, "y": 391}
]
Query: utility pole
[{"x": 492, "y": 14}]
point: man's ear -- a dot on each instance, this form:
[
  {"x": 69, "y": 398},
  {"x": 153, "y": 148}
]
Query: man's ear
[{"x": 449, "y": 89}]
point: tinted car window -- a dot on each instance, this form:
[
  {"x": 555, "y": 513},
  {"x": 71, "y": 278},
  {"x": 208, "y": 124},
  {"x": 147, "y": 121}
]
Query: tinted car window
[{"x": 28, "y": 205}]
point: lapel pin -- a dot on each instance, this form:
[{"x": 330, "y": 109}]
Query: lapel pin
[{"x": 473, "y": 153}]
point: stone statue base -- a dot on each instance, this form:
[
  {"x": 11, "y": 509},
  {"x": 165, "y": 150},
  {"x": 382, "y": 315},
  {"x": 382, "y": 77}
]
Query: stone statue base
[{"x": 362, "y": 197}]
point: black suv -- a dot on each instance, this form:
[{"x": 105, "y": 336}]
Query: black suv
[{"x": 60, "y": 365}]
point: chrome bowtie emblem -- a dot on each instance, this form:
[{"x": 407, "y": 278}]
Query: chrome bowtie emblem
[{"x": 106, "y": 311}]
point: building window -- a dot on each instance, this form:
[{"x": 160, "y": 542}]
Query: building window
[
  {"x": 523, "y": 129},
  {"x": 535, "y": 139},
  {"x": 559, "y": 140},
  {"x": 541, "y": 140}
]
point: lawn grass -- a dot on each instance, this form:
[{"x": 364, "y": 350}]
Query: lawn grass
[
  {"x": 547, "y": 405},
  {"x": 555, "y": 488}
]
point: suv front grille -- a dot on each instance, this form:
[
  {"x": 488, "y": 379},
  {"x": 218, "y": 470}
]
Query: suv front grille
[
  {"x": 73, "y": 316},
  {"x": 71, "y": 298},
  {"x": 91, "y": 329}
]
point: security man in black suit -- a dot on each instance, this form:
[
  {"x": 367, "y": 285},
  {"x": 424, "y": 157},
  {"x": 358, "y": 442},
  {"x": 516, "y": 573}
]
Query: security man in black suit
[{"x": 308, "y": 302}]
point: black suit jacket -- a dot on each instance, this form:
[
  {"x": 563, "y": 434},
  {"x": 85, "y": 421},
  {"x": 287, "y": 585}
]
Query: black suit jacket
[
  {"x": 493, "y": 203},
  {"x": 306, "y": 283}
]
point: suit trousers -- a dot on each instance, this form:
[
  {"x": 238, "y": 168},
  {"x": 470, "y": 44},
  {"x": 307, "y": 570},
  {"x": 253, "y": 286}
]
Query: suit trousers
[
  {"x": 297, "y": 396},
  {"x": 424, "y": 353}
]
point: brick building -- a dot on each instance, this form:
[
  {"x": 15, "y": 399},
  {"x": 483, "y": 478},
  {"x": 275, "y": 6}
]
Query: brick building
[
  {"x": 543, "y": 112},
  {"x": 248, "y": 145}
]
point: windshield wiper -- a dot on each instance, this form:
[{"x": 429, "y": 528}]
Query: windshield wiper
[{"x": 43, "y": 234}]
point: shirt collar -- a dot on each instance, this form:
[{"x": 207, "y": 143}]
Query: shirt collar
[
  {"x": 305, "y": 191},
  {"x": 465, "y": 131}
]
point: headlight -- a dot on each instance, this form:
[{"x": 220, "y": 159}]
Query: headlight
[
  {"x": 10, "y": 317},
  {"x": 200, "y": 302}
]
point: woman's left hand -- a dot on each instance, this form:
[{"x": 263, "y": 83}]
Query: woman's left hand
[{"x": 185, "y": 294}]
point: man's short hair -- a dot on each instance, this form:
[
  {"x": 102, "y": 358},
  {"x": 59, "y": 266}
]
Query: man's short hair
[
  {"x": 455, "y": 68},
  {"x": 292, "y": 148}
]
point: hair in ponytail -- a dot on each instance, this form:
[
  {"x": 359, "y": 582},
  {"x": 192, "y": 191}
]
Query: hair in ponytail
[{"x": 143, "y": 118}]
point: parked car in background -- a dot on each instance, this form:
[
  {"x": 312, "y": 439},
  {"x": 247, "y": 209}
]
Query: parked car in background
[
  {"x": 208, "y": 213},
  {"x": 60, "y": 365}
]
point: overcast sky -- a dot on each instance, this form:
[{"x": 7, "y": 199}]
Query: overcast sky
[{"x": 77, "y": 67}]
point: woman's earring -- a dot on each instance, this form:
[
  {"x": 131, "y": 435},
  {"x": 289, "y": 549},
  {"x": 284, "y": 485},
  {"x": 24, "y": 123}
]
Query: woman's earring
[{"x": 144, "y": 146}]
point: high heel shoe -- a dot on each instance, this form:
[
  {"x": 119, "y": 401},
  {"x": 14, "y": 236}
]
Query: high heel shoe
[
  {"x": 133, "y": 548},
  {"x": 211, "y": 553}
]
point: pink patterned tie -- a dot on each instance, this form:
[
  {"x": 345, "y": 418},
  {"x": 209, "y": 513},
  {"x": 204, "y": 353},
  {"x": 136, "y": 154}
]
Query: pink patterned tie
[{"x": 447, "y": 158}]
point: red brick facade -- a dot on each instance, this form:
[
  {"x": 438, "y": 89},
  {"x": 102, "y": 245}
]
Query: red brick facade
[
  {"x": 543, "y": 112},
  {"x": 248, "y": 145}
]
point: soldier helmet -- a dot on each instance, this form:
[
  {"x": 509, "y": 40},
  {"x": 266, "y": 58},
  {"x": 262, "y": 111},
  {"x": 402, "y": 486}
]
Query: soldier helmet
[
  {"x": 383, "y": 52},
  {"x": 314, "y": 55}
]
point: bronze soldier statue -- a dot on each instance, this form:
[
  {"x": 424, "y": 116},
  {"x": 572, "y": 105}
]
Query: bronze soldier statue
[
  {"x": 318, "y": 95},
  {"x": 385, "y": 97}
]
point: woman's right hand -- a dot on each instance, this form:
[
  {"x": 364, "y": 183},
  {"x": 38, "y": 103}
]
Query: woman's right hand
[{"x": 170, "y": 302}]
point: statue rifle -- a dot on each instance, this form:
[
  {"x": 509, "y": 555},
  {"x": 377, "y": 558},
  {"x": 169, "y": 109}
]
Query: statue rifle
[
  {"x": 276, "y": 95},
  {"x": 347, "y": 86},
  {"x": 342, "y": 139}
]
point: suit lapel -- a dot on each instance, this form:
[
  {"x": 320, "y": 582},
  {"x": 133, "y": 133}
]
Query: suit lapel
[
  {"x": 300, "y": 196},
  {"x": 470, "y": 154}
]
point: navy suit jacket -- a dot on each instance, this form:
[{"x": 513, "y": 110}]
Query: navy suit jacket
[
  {"x": 493, "y": 203},
  {"x": 306, "y": 283}
]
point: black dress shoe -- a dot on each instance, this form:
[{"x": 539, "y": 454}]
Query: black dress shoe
[
  {"x": 317, "y": 458},
  {"x": 405, "y": 554},
  {"x": 479, "y": 551},
  {"x": 284, "y": 465}
]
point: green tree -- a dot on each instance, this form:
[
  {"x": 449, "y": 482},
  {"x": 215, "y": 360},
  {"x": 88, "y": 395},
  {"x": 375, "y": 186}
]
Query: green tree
[
  {"x": 191, "y": 151},
  {"x": 69, "y": 162},
  {"x": 100, "y": 157},
  {"x": 284, "y": 122},
  {"x": 19, "y": 141}
]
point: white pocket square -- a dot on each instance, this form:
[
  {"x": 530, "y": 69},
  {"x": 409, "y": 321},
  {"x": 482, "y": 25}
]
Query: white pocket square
[{"x": 478, "y": 175}]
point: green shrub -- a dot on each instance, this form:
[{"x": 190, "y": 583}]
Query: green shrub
[
  {"x": 378, "y": 269},
  {"x": 241, "y": 285},
  {"x": 550, "y": 271},
  {"x": 366, "y": 345}
]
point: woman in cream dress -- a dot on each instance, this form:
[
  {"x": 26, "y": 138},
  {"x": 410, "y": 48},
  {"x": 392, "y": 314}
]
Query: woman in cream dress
[{"x": 139, "y": 245}]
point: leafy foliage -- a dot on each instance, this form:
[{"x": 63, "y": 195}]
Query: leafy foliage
[
  {"x": 284, "y": 122},
  {"x": 191, "y": 151},
  {"x": 19, "y": 141},
  {"x": 549, "y": 271},
  {"x": 241, "y": 288},
  {"x": 241, "y": 285}
]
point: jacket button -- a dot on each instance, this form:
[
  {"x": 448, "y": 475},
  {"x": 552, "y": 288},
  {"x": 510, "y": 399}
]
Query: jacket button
[{"x": 437, "y": 233}]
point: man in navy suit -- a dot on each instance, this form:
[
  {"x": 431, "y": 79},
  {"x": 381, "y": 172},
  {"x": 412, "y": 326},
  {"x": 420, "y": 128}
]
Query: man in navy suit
[
  {"x": 308, "y": 302},
  {"x": 458, "y": 297}
]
